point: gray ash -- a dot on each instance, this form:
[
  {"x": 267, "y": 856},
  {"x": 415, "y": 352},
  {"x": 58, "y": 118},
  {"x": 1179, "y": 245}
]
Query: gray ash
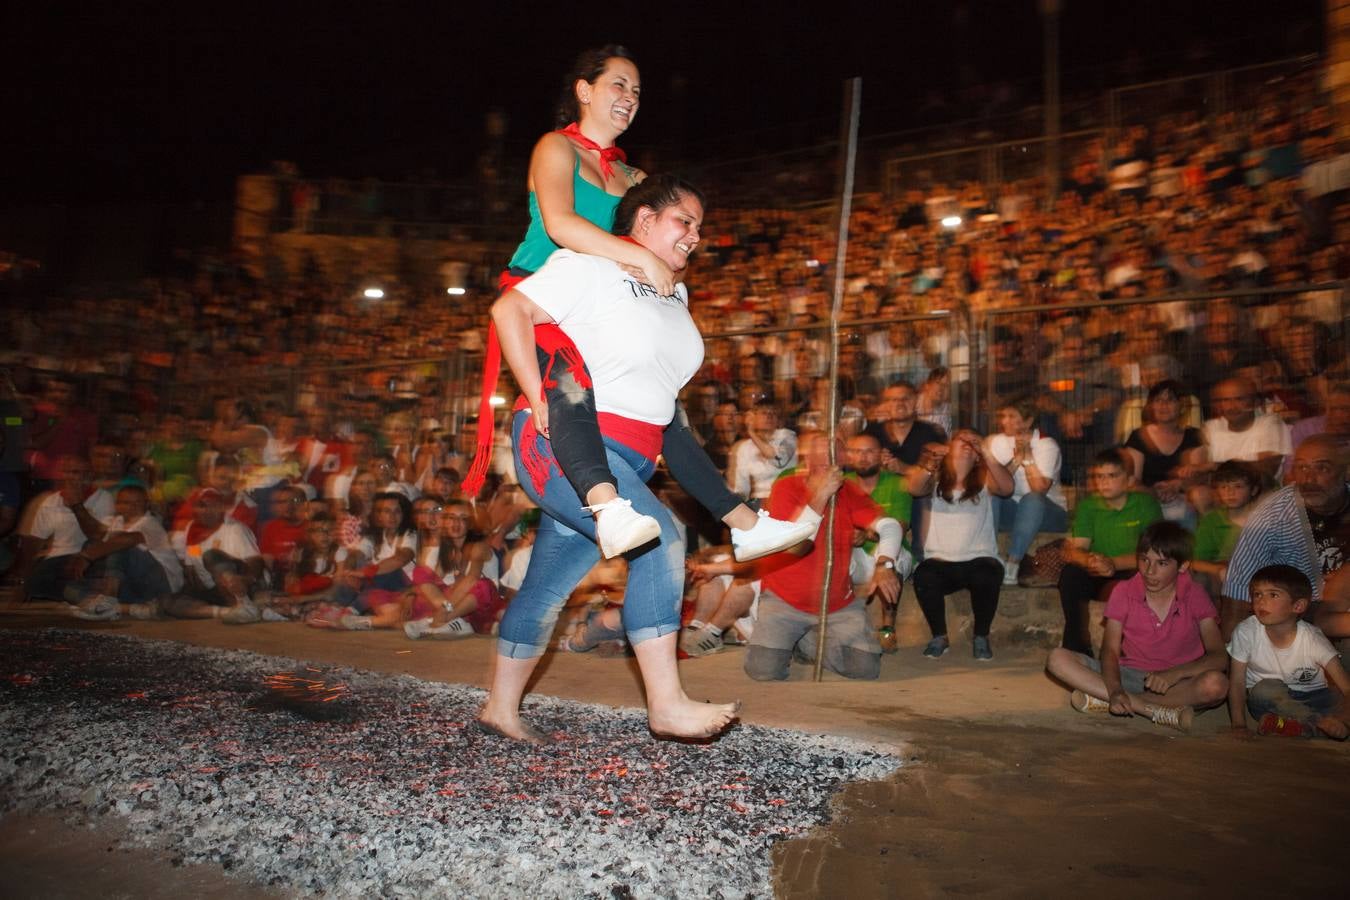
[{"x": 200, "y": 756}]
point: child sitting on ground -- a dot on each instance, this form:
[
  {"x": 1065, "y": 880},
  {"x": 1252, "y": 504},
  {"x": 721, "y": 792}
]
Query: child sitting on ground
[
  {"x": 1162, "y": 656},
  {"x": 1281, "y": 664},
  {"x": 1235, "y": 488}
]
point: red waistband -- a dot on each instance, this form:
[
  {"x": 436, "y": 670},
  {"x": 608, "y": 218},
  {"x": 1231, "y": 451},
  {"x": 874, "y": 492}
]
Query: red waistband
[{"x": 641, "y": 437}]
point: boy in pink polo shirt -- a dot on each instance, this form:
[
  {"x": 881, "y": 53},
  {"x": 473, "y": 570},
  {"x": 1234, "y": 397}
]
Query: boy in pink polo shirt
[{"x": 1162, "y": 656}]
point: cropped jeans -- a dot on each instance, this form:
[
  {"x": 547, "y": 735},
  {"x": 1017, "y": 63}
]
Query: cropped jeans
[
  {"x": 565, "y": 550},
  {"x": 1026, "y": 518}
]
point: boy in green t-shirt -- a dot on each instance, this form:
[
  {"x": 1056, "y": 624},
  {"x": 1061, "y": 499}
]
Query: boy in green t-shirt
[
  {"x": 1236, "y": 486},
  {"x": 1106, "y": 528}
]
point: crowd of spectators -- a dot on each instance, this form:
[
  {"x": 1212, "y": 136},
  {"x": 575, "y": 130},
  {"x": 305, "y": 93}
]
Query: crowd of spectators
[{"x": 332, "y": 497}]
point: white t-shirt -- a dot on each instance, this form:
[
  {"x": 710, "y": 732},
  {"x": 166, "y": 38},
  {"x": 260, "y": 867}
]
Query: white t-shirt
[
  {"x": 156, "y": 544},
  {"x": 1045, "y": 451},
  {"x": 101, "y": 504},
  {"x": 52, "y": 519},
  {"x": 388, "y": 548},
  {"x": 640, "y": 348},
  {"x": 957, "y": 532},
  {"x": 232, "y": 538},
  {"x": 750, "y": 474},
  {"x": 1268, "y": 434},
  {"x": 1299, "y": 665}
]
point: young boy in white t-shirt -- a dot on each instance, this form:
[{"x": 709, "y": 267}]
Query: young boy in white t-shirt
[{"x": 1281, "y": 665}]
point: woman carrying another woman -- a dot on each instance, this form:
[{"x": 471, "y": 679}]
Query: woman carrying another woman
[
  {"x": 642, "y": 348},
  {"x": 960, "y": 545},
  {"x": 576, "y": 178}
]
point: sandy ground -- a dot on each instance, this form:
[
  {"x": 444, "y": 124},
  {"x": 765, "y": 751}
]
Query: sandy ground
[{"x": 1006, "y": 792}]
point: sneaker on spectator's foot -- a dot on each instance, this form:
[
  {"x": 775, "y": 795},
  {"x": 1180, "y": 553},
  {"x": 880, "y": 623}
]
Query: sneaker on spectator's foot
[
  {"x": 1178, "y": 717},
  {"x": 769, "y": 535},
  {"x": 983, "y": 652},
  {"x": 937, "y": 647},
  {"x": 886, "y": 638},
  {"x": 622, "y": 528},
  {"x": 351, "y": 622},
  {"x": 271, "y": 615},
  {"x": 1010, "y": 572},
  {"x": 1279, "y": 725},
  {"x": 245, "y": 612},
  {"x": 1086, "y": 703},
  {"x": 97, "y": 608},
  {"x": 700, "y": 641},
  {"x": 415, "y": 629},
  {"x": 145, "y": 611},
  {"x": 455, "y": 628}
]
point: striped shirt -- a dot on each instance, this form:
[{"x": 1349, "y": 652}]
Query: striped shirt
[{"x": 1277, "y": 532}]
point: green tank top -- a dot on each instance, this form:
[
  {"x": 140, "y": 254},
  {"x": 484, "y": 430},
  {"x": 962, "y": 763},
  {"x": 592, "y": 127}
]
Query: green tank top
[{"x": 590, "y": 202}]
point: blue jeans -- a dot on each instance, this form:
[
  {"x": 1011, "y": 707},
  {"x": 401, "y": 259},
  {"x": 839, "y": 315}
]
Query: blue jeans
[
  {"x": 140, "y": 577},
  {"x": 1027, "y": 518},
  {"x": 1271, "y": 695},
  {"x": 564, "y": 551}
]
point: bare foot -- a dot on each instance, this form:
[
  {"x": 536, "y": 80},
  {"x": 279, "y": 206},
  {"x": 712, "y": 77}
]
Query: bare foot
[
  {"x": 690, "y": 719},
  {"x": 512, "y": 728},
  {"x": 1333, "y": 728}
]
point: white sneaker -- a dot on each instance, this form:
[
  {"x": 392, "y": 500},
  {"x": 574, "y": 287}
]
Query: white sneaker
[
  {"x": 350, "y": 622},
  {"x": 456, "y": 628},
  {"x": 416, "y": 628},
  {"x": 1010, "y": 572},
  {"x": 144, "y": 611},
  {"x": 769, "y": 535},
  {"x": 622, "y": 528},
  {"x": 245, "y": 612},
  {"x": 98, "y": 608},
  {"x": 698, "y": 642}
]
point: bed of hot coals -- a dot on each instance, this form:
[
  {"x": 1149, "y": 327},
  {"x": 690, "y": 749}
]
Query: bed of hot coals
[{"x": 354, "y": 783}]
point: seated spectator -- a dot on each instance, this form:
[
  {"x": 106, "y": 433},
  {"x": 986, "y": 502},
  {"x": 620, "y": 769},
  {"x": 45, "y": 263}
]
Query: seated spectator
[
  {"x": 1162, "y": 657},
  {"x": 789, "y": 602},
  {"x": 60, "y": 427},
  {"x": 1037, "y": 503},
  {"x": 372, "y": 597},
  {"x": 934, "y": 405},
  {"x": 1235, "y": 487},
  {"x": 11, "y": 501},
  {"x": 284, "y": 533},
  {"x": 960, "y": 543},
  {"x": 762, "y": 455},
  {"x": 457, "y": 595},
  {"x": 220, "y": 473},
  {"x": 724, "y": 601},
  {"x": 353, "y": 515},
  {"x": 108, "y": 463},
  {"x": 1239, "y": 432},
  {"x": 1282, "y": 667},
  {"x": 1165, "y": 453},
  {"x": 1335, "y": 422},
  {"x": 222, "y": 567},
  {"x": 891, "y": 493},
  {"x": 1106, "y": 528},
  {"x": 311, "y": 580},
  {"x": 50, "y": 537},
  {"x": 175, "y": 455},
  {"x": 128, "y": 565},
  {"x": 900, "y": 432},
  {"x": 1305, "y": 524}
]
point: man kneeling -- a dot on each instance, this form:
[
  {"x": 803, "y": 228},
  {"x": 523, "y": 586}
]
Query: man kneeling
[
  {"x": 1162, "y": 656},
  {"x": 790, "y": 599}
]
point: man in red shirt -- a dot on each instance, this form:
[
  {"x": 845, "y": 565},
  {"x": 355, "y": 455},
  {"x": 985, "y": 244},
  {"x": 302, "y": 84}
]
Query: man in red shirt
[
  {"x": 284, "y": 531},
  {"x": 789, "y": 601}
]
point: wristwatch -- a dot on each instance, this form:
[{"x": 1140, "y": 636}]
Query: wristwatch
[{"x": 889, "y": 564}]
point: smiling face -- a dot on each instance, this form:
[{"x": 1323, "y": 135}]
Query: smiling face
[
  {"x": 386, "y": 515},
  {"x": 455, "y": 521},
  {"x": 612, "y": 99},
  {"x": 673, "y": 233}
]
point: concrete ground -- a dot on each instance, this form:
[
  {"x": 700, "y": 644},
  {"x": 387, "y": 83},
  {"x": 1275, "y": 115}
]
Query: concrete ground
[{"x": 1007, "y": 792}]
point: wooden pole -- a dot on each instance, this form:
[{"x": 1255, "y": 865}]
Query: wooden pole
[{"x": 848, "y": 156}]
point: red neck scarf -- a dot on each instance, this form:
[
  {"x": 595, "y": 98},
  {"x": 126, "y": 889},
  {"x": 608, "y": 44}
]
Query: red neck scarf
[{"x": 607, "y": 154}]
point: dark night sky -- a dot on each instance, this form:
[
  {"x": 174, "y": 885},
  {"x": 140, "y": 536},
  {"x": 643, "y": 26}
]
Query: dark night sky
[{"x": 150, "y": 101}]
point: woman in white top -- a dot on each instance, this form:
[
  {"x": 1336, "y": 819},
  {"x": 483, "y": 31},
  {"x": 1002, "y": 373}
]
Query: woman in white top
[
  {"x": 960, "y": 545},
  {"x": 1037, "y": 502}
]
